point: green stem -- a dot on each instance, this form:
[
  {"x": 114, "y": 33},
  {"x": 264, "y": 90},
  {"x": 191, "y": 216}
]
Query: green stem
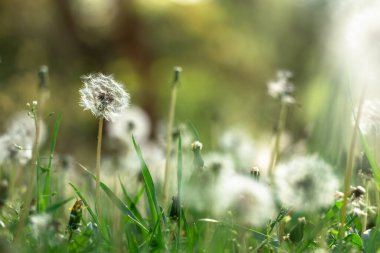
[
  {"x": 277, "y": 142},
  {"x": 349, "y": 166},
  {"x": 169, "y": 139},
  {"x": 97, "y": 168},
  {"x": 29, "y": 194},
  {"x": 364, "y": 221}
]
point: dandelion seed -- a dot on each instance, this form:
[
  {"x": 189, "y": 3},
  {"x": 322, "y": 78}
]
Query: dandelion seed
[
  {"x": 306, "y": 183},
  {"x": 103, "y": 96},
  {"x": 133, "y": 121},
  {"x": 249, "y": 201}
]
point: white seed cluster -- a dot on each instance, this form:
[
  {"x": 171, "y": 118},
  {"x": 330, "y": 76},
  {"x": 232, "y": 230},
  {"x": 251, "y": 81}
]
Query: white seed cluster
[
  {"x": 103, "y": 96},
  {"x": 133, "y": 121},
  {"x": 306, "y": 183}
]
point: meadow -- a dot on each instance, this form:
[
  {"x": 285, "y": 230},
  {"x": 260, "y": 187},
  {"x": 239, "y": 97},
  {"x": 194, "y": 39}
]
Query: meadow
[
  {"x": 189, "y": 126},
  {"x": 166, "y": 195}
]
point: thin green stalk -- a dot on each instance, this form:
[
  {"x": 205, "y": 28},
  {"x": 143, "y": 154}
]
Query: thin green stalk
[
  {"x": 169, "y": 137},
  {"x": 277, "y": 142},
  {"x": 34, "y": 173},
  {"x": 377, "y": 199},
  {"x": 179, "y": 185},
  {"x": 364, "y": 220},
  {"x": 97, "y": 168},
  {"x": 349, "y": 167}
]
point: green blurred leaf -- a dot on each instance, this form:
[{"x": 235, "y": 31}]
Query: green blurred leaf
[
  {"x": 355, "y": 240},
  {"x": 371, "y": 159}
]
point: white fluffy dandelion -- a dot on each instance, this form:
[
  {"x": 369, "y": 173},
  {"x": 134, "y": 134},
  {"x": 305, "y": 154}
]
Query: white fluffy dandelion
[
  {"x": 17, "y": 143},
  {"x": 132, "y": 121},
  {"x": 103, "y": 96},
  {"x": 249, "y": 201},
  {"x": 306, "y": 183},
  {"x": 240, "y": 145},
  {"x": 218, "y": 162}
]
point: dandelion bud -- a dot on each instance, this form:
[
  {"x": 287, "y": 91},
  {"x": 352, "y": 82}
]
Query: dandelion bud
[
  {"x": 255, "y": 172},
  {"x": 196, "y": 146},
  {"x": 177, "y": 74},
  {"x": 43, "y": 76}
]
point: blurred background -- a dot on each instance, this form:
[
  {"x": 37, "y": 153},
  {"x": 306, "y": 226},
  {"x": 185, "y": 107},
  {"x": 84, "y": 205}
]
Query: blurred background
[{"x": 228, "y": 49}]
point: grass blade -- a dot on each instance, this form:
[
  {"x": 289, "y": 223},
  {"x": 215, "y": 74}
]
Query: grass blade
[
  {"x": 131, "y": 203},
  {"x": 179, "y": 185},
  {"x": 55, "y": 206},
  {"x": 194, "y": 130},
  {"x": 46, "y": 192},
  {"x": 371, "y": 159},
  {"x": 124, "y": 208},
  {"x": 120, "y": 204},
  {"x": 150, "y": 192},
  {"x": 92, "y": 213}
]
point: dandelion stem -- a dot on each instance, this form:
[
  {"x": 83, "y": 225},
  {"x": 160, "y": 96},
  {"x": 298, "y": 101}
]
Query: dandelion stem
[
  {"x": 97, "y": 168},
  {"x": 169, "y": 137},
  {"x": 33, "y": 177},
  {"x": 349, "y": 166},
  {"x": 280, "y": 129}
]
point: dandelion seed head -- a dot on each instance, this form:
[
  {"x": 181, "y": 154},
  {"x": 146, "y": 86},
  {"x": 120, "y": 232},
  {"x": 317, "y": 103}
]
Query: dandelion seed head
[
  {"x": 240, "y": 145},
  {"x": 249, "y": 201},
  {"x": 17, "y": 143},
  {"x": 306, "y": 183},
  {"x": 133, "y": 121},
  {"x": 218, "y": 162},
  {"x": 103, "y": 96}
]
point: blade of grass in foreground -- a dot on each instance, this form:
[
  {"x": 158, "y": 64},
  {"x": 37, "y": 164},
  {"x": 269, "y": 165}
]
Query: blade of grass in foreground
[
  {"x": 131, "y": 203},
  {"x": 150, "y": 193},
  {"x": 120, "y": 204},
  {"x": 46, "y": 199},
  {"x": 91, "y": 212},
  {"x": 371, "y": 159},
  {"x": 194, "y": 130},
  {"x": 54, "y": 207},
  {"x": 80, "y": 195}
]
